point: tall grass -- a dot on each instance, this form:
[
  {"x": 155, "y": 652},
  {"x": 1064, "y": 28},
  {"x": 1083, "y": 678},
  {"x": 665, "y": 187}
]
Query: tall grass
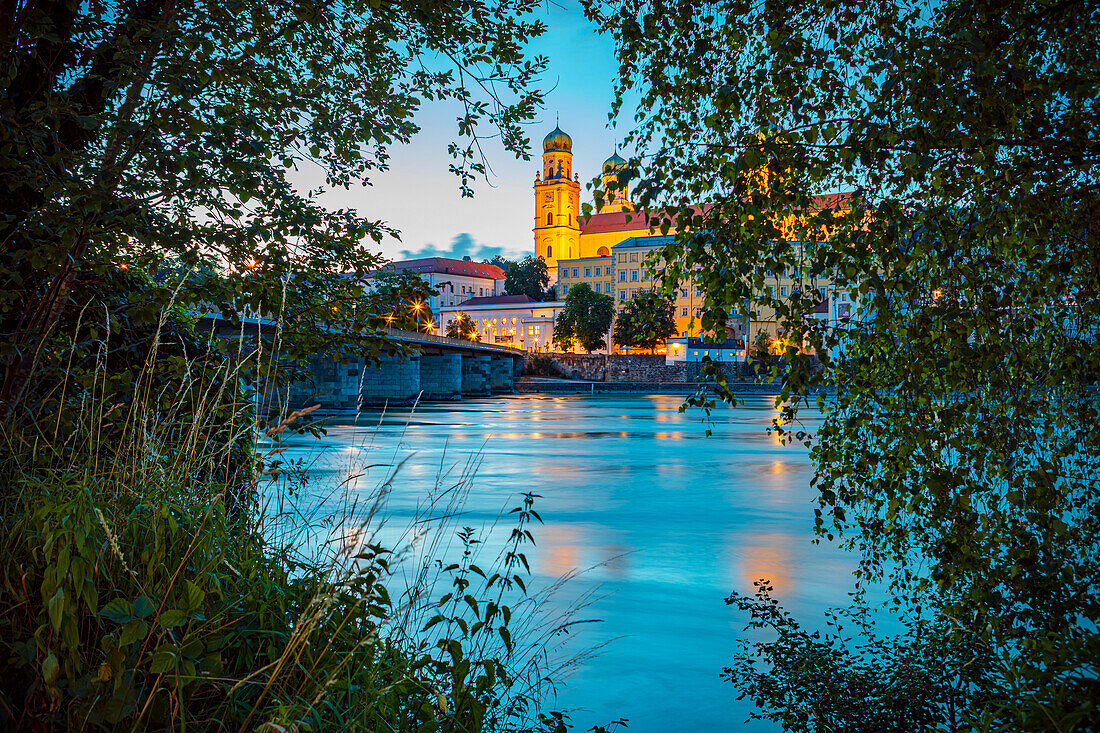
[{"x": 158, "y": 574}]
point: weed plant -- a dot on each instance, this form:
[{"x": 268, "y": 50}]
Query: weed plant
[{"x": 152, "y": 580}]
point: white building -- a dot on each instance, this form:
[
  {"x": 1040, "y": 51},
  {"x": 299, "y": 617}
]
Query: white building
[
  {"x": 457, "y": 280},
  {"x": 513, "y": 320}
]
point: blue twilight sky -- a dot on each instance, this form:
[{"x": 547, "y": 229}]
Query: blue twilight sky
[{"x": 419, "y": 197}]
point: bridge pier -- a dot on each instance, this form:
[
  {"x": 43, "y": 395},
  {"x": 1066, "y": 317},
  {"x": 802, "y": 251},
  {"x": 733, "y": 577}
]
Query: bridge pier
[
  {"x": 441, "y": 376},
  {"x": 501, "y": 378},
  {"x": 475, "y": 375},
  {"x": 396, "y": 380}
]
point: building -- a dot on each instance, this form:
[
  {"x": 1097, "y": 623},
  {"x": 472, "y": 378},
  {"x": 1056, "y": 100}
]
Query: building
[
  {"x": 615, "y": 251},
  {"x": 457, "y": 280},
  {"x": 512, "y": 320},
  {"x": 597, "y": 272}
]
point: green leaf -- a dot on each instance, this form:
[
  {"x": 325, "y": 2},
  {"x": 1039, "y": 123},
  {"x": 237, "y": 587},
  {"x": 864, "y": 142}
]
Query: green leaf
[{"x": 119, "y": 610}]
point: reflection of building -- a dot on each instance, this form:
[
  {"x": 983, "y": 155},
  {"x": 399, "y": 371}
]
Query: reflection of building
[
  {"x": 514, "y": 320},
  {"x": 457, "y": 280}
]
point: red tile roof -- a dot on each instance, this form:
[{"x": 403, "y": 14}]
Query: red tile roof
[
  {"x": 447, "y": 266},
  {"x": 617, "y": 221},
  {"x": 500, "y": 300}
]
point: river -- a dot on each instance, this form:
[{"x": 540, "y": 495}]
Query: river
[{"x": 663, "y": 520}]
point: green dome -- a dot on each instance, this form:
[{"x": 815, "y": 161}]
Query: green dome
[
  {"x": 557, "y": 140},
  {"x": 614, "y": 163}
]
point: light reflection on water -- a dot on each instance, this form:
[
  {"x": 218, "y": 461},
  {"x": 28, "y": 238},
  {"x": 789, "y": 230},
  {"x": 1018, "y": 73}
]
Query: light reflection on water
[{"x": 666, "y": 520}]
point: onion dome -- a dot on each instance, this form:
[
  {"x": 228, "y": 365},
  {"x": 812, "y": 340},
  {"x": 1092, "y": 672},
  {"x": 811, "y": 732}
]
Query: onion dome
[
  {"x": 557, "y": 141},
  {"x": 614, "y": 163}
]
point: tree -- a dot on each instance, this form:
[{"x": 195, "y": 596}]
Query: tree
[
  {"x": 647, "y": 319},
  {"x": 960, "y": 453},
  {"x": 399, "y": 300},
  {"x": 528, "y": 277},
  {"x": 585, "y": 319},
  {"x": 463, "y": 327},
  {"x": 164, "y": 135}
]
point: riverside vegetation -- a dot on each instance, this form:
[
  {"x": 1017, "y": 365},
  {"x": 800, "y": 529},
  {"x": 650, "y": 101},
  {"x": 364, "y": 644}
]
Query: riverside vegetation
[
  {"x": 959, "y": 459},
  {"x": 152, "y": 581},
  {"x": 147, "y": 159}
]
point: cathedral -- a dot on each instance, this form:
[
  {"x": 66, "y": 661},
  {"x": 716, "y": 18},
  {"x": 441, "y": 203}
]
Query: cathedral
[{"x": 560, "y": 231}]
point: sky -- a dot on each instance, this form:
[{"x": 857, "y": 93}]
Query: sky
[{"x": 420, "y": 198}]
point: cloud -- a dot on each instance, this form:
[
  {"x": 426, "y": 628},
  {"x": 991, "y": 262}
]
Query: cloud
[{"x": 461, "y": 246}]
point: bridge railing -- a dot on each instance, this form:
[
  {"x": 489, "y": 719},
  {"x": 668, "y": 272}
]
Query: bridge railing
[{"x": 450, "y": 341}]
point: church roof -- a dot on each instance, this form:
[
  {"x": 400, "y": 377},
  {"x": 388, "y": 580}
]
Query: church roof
[
  {"x": 632, "y": 221},
  {"x": 557, "y": 140},
  {"x": 614, "y": 163}
]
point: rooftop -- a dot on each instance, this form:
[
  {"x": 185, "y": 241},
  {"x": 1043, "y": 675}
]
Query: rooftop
[
  {"x": 448, "y": 266},
  {"x": 500, "y": 300}
]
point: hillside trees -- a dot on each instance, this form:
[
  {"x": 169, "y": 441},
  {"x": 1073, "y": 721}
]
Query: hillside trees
[
  {"x": 961, "y": 453},
  {"x": 165, "y": 135}
]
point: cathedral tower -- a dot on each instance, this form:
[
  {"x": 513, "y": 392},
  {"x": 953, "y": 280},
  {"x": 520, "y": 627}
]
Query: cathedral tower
[
  {"x": 619, "y": 200},
  {"x": 557, "y": 201}
]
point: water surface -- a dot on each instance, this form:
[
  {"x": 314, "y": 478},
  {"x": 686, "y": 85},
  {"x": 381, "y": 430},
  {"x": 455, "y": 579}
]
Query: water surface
[{"x": 664, "y": 521}]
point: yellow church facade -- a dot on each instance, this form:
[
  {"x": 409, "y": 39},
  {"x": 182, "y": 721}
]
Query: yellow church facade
[{"x": 610, "y": 250}]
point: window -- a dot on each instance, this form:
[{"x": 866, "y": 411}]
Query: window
[
  {"x": 622, "y": 295},
  {"x": 622, "y": 276},
  {"x": 683, "y": 292},
  {"x": 698, "y": 292},
  {"x": 564, "y": 272},
  {"x": 494, "y": 321},
  {"x": 633, "y": 276},
  {"x": 683, "y": 312},
  {"x": 607, "y": 287},
  {"x": 633, "y": 294},
  {"x": 564, "y": 289},
  {"x": 588, "y": 272},
  {"x": 549, "y": 219},
  {"x": 576, "y": 272},
  {"x": 633, "y": 256},
  {"x": 513, "y": 320},
  {"x": 782, "y": 291},
  {"x": 622, "y": 257}
]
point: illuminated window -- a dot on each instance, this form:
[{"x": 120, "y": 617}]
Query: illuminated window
[
  {"x": 513, "y": 320},
  {"x": 494, "y": 321},
  {"x": 622, "y": 276},
  {"x": 633, "y": 256},
  {"x": 683, "y": 312}
]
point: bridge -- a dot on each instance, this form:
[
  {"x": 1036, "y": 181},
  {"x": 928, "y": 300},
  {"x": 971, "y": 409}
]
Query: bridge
[{"x": 434, "y": 368}]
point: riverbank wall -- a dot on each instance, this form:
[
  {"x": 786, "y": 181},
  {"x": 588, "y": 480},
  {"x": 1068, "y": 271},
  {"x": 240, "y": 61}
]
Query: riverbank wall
[
  {"x": 529, "y": 385},
  {"x": 636, "y": 368}
]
